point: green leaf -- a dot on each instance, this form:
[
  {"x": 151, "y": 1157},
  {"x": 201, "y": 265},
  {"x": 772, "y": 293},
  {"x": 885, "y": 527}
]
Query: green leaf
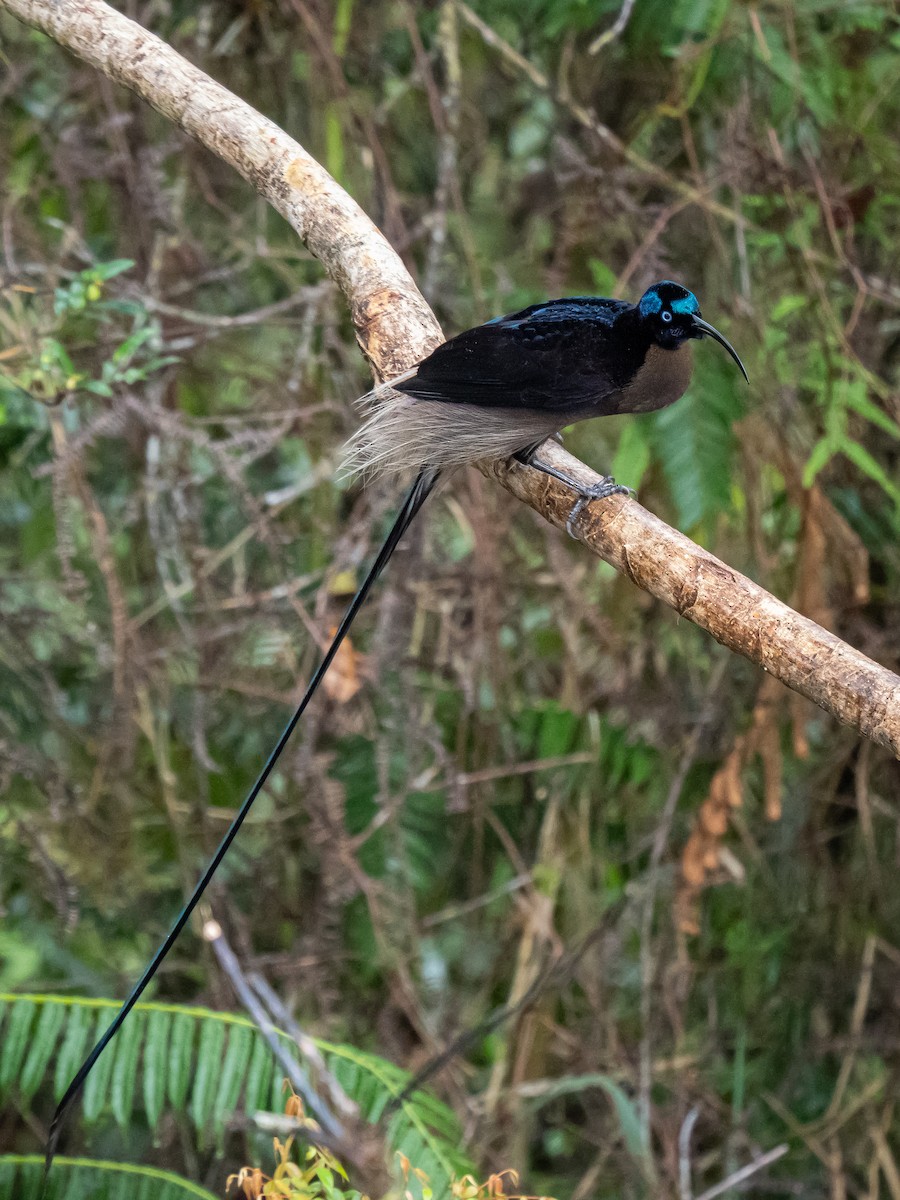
[
  {"x": 234, "y": 1069},
  {"x": 259, "y": 1077},
  {"x": 97, "y": 1085},
  {"x": 163, "y": 1043},
  {"x": 156, "y": 1056},
  {"x": 822, "y": 453},
  {"x": 124, "y": 1075},
  {"x": 369, "y": 1081},
  {"x": 787, "y": 306},
  {"x": 632, "y": 457},
  {"x": 695, "y": 443},
  {"x": 57, "y": 356},
  {"x": 109, "y": 270},
  {"x": 857, "y": 399},
  {"x": 98, "y": 387},
  {"x": 181, "y": 1055},
  {"x": 15, "y": 1042},
  {"x": 866, "y": 463},
  {"x": 127, "y": 348},
  {"x": 603, "y": 277},
  {"x": 208, "y": 1072},
  {"x": 21, "y": 1176},
  {"x": 74, "y": 1045},
  {"x": 558, "y": 728},
  {"x": 629, "y": 1121},
  {"x": 43, "y": 1042}
]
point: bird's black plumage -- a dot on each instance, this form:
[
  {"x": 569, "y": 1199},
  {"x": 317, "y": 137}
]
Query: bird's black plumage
[
  {"x": 547, "y": 356},
  {"x": 496, "y": 389}
]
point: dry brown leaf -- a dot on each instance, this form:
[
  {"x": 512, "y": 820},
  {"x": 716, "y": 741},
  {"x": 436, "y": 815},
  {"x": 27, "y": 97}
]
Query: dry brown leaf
[
  {"x": 700, "y": 858},
  {"x": 342, "y": 681}
]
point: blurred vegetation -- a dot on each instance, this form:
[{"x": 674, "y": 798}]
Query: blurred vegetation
[{"x": 502, "y": 787}]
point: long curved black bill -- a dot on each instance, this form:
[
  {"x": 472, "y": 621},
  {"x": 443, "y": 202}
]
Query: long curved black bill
[{"x": 711, "y": 331}]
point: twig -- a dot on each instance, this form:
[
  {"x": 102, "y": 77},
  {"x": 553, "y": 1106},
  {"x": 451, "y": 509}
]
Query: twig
[
  {"x": 319, "y": 473},
  {"x": 355, "y": 1140},
  {"x": 531, "y": 767},
  {"x": 258, "y": 316},
  {"x": 228, "y": 961},
  {"x": 615, "y": 30},
  {"x": 857, "y": 1021},
  {"x": 393, "y": 323},
  {"x": 764, "y": 1160},
  {"x": 685, "y": 1187},
  {"x": 886, "y": 1160},
  {"x": 306, "y": 1045},
  {"x": 454, "y": 911},
  {"x": 556, "y": 974}
]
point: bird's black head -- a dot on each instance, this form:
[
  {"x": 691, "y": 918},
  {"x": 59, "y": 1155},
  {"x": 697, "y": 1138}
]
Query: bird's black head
[
  {"x": 672, "y": 314},
  {"x": 669, "y": 311}
]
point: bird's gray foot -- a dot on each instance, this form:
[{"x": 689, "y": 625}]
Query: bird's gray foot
[{"x": 606, "y": 486}]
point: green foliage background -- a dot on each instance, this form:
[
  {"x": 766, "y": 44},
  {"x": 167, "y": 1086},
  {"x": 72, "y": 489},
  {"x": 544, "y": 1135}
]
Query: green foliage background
[{"x": 521, "y": 769}]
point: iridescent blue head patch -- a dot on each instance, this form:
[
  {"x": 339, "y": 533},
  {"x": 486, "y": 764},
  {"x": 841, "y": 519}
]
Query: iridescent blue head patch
[
  {"x": 686, "y": 304},
  {"x": 670, "y": 295}
]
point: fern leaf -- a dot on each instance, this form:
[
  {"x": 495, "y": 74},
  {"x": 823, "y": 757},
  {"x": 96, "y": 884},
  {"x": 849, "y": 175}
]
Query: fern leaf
[
  {"x": 15, "y": 1043},
  {"x": 96, "y": 1088},
  {"x": 21, "y": 1176},
  {"x": 156, "y": 1054},
  {"x": 124, "y": 1074},
  {"x": 208, "y": 1072},
  {"x": 73, "y": 1049},
  {"x": 234, "y": 1071},
  {"x": 210, "y": 1056},
  {"x": 42, "y": 1043},
  {"x": 411, "y": 1129},
  {"x": 181, "y": 1051},
  {"x": 259, "y": 1077},
  {"x": 694, "y": 440}
]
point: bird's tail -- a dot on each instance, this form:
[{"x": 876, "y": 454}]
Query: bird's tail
[
  {"x": 381, "y": 445},
  {"x": 412, "y": 503},
  {"x": 405, "y": 428}
]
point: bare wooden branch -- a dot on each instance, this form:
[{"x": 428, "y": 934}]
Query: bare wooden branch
[{"x": 395, "y": 328}]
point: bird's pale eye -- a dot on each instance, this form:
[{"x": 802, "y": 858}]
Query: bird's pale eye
[{"x": 666, "y": 316}]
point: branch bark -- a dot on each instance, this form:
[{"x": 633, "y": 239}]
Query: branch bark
[{"x": 396, "y": 328}]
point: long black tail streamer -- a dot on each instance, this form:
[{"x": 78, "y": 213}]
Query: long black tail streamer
[{"x": 412, "y": 503}]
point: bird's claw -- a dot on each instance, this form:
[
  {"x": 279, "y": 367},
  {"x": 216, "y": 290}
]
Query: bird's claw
[{"x": 607, "y": 486}]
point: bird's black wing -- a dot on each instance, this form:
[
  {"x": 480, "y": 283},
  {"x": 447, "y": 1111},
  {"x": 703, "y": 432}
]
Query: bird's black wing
[{"x": 549, "y": 356}]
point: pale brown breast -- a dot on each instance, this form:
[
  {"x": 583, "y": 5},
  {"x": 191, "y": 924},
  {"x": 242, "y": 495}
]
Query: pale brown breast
[{"x": 661, "y": 381}]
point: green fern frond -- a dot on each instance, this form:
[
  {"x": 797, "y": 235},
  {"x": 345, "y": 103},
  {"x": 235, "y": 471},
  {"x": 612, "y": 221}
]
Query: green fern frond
[
  {"x": 204, "y": 1064},
  {"x": 424, "y": 1129},
  {"x": 92, "y": 1179},
  {"x": 694, "y": 440}
]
